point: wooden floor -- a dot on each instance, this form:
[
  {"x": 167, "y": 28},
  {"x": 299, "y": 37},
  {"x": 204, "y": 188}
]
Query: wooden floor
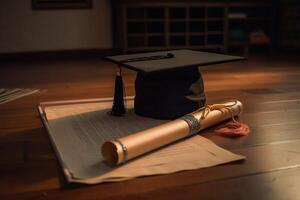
[{"x": 269, "y": 87}]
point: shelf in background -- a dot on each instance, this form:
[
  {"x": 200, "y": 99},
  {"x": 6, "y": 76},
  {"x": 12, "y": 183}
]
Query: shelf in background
[{"x": 205, "y": 25}]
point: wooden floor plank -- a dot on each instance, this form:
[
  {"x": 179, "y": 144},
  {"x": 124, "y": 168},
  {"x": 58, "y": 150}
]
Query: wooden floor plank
[
  {"x": 259, "y": 161},
  {"x": 268, "y": 87},
  {"x": 266, "y": 158},
  {"x": 273, "y": 186}
]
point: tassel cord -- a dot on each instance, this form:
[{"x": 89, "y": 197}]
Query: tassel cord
[
  {"x": 231, "y": 129},
  {"x": 124, "y": 92},
  {"x": 207, "y": 109},
  {"x": 118, "y": 108}
]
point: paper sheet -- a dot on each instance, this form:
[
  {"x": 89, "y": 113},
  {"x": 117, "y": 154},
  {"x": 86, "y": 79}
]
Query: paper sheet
[{"x": 78, "y": 130}]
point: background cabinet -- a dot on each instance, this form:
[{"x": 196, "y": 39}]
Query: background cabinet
[
  {"x": 217, "y": 26},
  {"x": 290, "y": 23}
]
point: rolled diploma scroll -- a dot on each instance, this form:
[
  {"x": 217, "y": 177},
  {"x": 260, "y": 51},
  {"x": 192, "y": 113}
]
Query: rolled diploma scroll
[{"x": 131, "y": 146}]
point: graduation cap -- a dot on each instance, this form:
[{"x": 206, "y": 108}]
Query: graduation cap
[{"x": 168, "y": 83}]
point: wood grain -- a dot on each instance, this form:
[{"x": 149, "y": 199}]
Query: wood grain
[{"x": 268, "y": 86}]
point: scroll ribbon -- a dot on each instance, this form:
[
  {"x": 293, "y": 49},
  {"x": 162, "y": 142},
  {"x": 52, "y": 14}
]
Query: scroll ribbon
[
  {"x": 231, "y": 129},
  {"x": 208, "y": 108}
]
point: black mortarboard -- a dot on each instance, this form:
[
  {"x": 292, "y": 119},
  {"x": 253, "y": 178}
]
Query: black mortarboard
[{"x": 168, "y": 83}]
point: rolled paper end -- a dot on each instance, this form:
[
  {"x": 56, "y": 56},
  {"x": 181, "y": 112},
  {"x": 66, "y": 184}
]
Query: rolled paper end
[
  {"x": 235, "y": 106},
  {"x": 110, "y": 153},
  {"x": 240, "y": 107}
]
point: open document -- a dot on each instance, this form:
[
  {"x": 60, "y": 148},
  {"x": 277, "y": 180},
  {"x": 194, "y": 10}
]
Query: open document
[{"x": 78, "y": 129}]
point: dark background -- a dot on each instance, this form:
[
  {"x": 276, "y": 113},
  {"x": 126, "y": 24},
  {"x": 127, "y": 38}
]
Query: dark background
[{"x": 97, "y": 28}]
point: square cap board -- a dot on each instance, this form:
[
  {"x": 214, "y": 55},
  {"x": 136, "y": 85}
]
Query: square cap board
[
  {"x": 170, "y": 60},
  {"x": 165, "y": 81}
]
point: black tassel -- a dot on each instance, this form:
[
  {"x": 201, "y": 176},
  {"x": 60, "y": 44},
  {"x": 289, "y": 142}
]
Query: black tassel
[{"x": 118, "y": 108}]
